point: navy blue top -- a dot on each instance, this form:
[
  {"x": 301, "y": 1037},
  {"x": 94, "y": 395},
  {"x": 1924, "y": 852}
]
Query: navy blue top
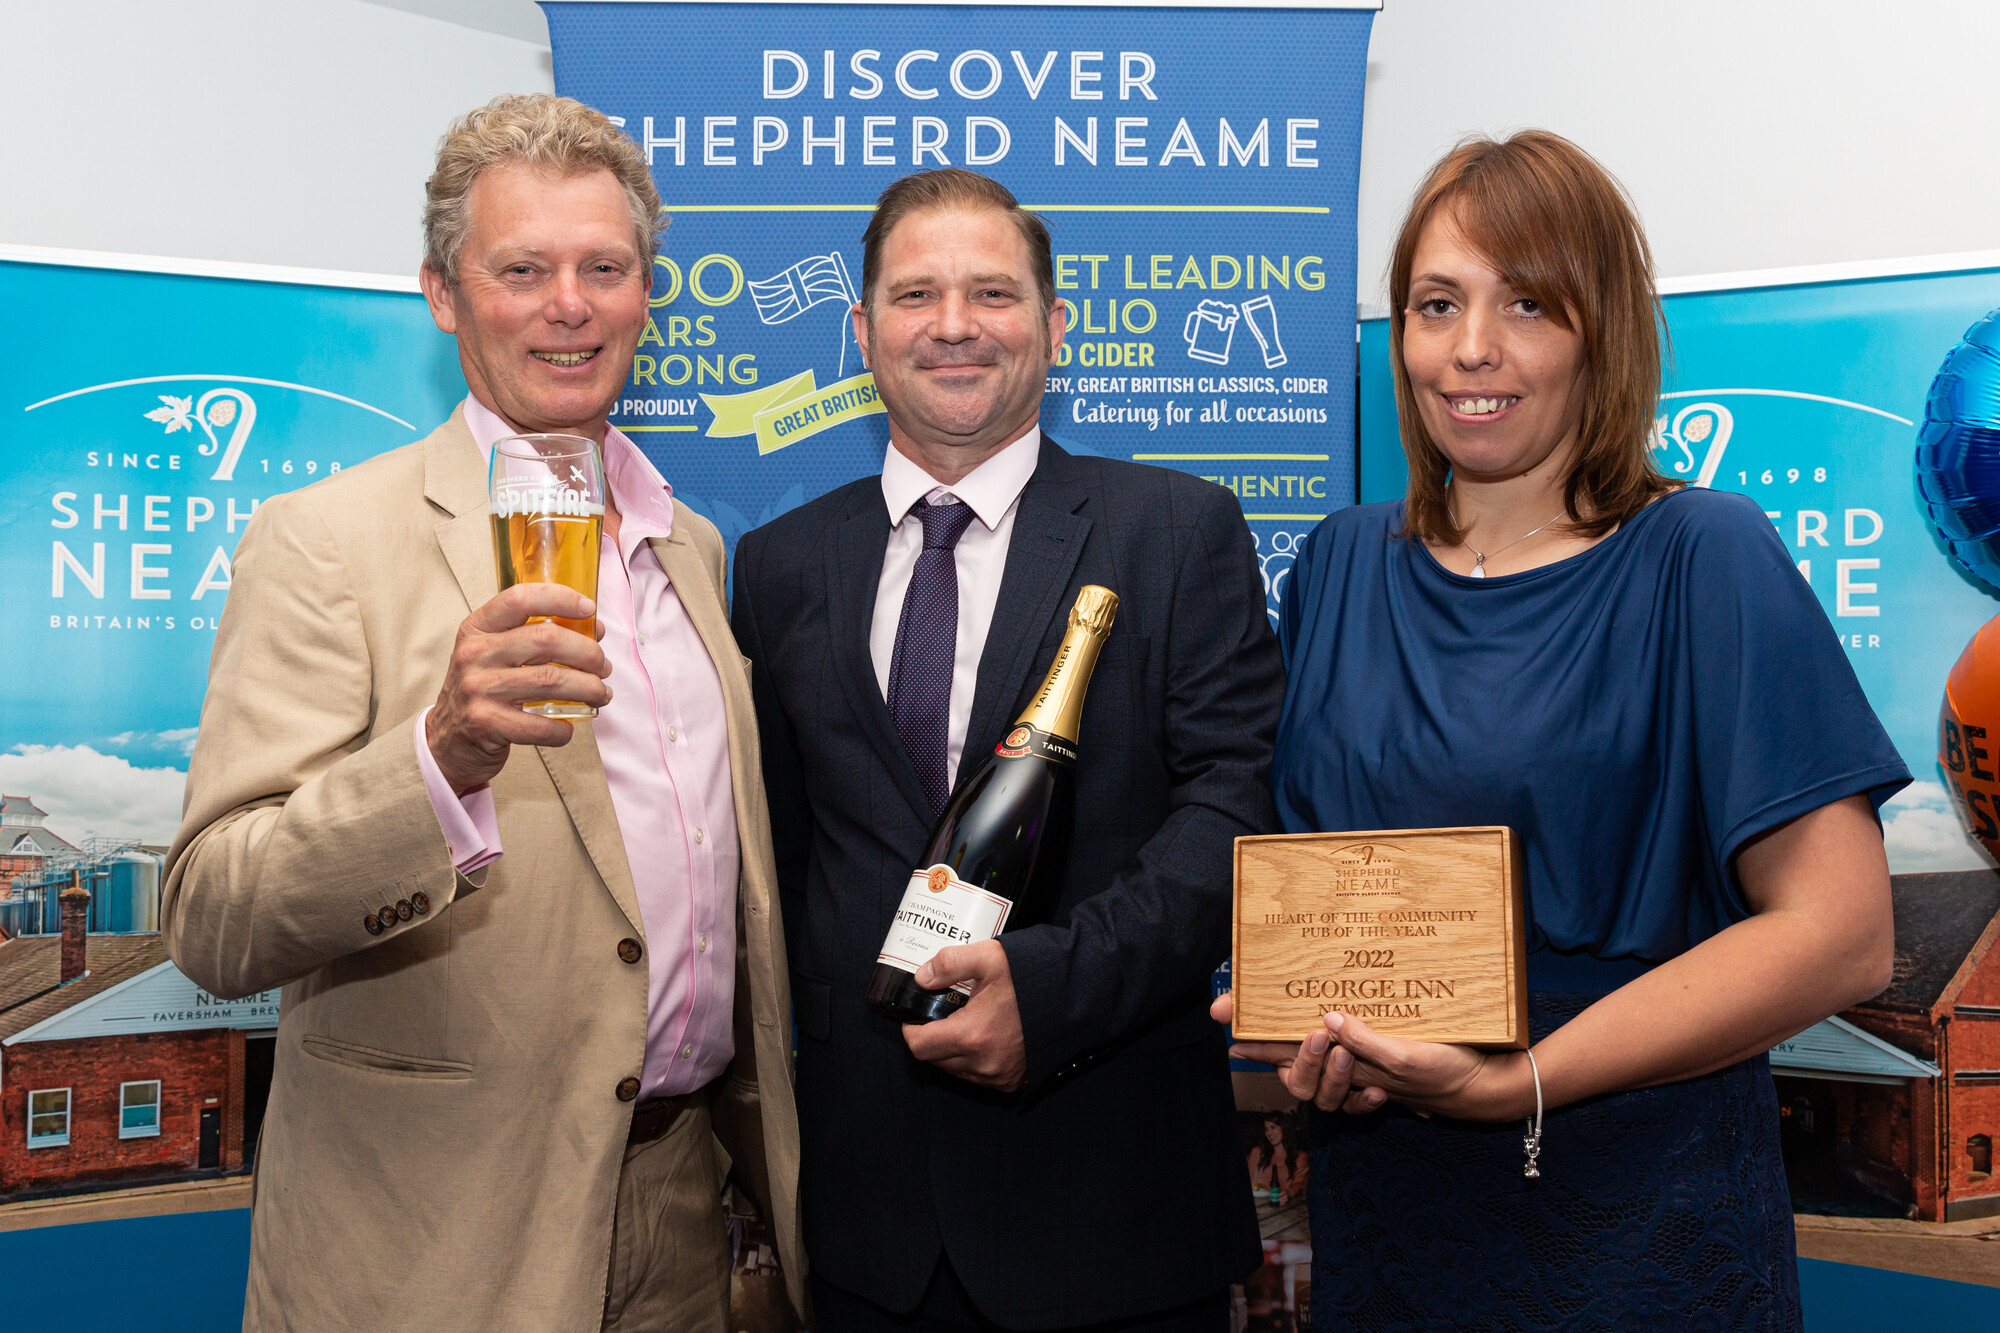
[{"x": 1635, "y": 713}]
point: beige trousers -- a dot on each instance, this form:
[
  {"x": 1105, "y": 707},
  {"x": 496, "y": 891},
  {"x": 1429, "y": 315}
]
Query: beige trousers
[{"x": 669, "y": 1241}]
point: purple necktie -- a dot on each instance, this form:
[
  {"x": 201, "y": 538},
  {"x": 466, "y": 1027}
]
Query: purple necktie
[{"x": 926, "y": 647}]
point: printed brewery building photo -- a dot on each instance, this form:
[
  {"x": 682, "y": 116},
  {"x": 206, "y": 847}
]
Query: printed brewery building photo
[
  {"x": 115, "y": 1069},
  {"x": 1891, "y": 1108}
]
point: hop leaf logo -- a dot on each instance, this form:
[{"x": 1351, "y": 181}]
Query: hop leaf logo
[
  {"x": 1699, "y": 429},
  {"x": 221, "y": 412},
  {"x": 178, "y": 413}
]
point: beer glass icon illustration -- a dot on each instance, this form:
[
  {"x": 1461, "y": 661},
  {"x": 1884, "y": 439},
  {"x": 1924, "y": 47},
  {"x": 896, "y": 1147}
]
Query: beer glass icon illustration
[
  {"x": 1208, "y": 331},
  {"x": 1262, "y": 317}
]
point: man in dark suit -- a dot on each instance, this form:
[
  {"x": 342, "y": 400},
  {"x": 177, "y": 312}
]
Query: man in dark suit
[{"x": 1061, "y": 1152}]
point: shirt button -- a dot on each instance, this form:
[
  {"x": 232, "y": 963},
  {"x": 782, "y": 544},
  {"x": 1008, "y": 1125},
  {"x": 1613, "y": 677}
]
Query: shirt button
[
  {"x": 642, "y": 640},
  {"x": 673, "y": 733},
  {"x": 687, "y": 1052},
  {"x": 697, "y": 835},
  {"x": 701, "y": 944}
]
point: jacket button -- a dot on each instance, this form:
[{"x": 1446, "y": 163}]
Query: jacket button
[
  {"x": 420, "y": 902},
  {"x": 628, "y": 1088},
  {"x": 629, "y": 950},
  {"x": 405, "y": 908},
  {"x": 387, "y": 914},
  {"x": 372, "y": 923}
]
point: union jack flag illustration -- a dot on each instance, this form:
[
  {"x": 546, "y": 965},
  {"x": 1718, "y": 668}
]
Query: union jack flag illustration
[{"x": 801, "y": 287}]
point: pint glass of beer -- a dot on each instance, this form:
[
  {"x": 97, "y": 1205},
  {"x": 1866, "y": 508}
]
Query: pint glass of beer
[{"x": 548, "y": 516}]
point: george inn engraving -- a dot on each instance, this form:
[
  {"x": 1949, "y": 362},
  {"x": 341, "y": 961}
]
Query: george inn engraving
[{"x": 1417, "y": 931}]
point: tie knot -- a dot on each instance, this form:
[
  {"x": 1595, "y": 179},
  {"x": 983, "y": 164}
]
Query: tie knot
[{"x": 943, "y": 524}]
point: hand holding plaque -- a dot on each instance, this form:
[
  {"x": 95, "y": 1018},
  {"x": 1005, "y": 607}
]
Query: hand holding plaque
[{"x": 1419, "y": 932}]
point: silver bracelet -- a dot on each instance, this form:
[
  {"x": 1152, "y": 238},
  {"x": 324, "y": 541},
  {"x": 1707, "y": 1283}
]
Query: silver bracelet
[{"x": 1533, "y": 1143}]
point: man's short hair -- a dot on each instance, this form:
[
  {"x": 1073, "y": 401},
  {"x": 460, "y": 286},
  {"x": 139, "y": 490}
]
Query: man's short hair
[
  {"x": 559, "y": 135},
  {"x": 953, "y": 188}
]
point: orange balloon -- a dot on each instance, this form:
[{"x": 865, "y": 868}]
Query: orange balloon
[{"x": 1969, "y": 736}]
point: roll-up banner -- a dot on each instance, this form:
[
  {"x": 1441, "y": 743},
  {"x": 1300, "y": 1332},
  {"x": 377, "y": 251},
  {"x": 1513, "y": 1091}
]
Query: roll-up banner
[
  {"x": 1197, "y": 168},
  {"x": 148, "y": 415}
]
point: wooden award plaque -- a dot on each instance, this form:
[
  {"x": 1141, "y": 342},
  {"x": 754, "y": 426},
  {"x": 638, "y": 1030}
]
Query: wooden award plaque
[{"x": 1417, "y": 931}]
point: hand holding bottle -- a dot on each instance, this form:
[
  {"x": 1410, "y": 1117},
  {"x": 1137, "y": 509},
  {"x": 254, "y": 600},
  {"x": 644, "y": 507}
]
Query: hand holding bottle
[{"x": 982, "y": 1042}]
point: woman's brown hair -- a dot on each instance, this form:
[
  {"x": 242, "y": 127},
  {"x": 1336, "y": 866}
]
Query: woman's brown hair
[{"x": 1558, "y": 229}]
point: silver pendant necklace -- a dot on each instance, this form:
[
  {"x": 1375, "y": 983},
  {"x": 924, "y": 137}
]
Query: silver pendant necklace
[{"x": 1479, "y": 557}]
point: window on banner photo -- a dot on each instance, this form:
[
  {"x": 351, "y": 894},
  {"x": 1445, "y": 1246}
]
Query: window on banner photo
[
  {"x": 48, "y": 1118},
  {"x": 139, "y": 1110}
]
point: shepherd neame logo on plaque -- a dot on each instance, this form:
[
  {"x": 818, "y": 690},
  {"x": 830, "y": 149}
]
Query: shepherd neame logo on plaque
[{"x": 1417, "y": 931}]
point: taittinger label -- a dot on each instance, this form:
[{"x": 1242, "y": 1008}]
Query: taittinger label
[{"x": 939, "y": 910}]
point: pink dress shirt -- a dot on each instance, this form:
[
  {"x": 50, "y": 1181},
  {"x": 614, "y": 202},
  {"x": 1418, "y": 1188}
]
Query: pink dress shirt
[{"x": 665, "y": 746}]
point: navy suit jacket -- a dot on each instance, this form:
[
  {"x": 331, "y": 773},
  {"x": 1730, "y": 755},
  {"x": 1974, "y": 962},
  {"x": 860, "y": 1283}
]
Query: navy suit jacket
[{"x": 1113, "y": 1183}]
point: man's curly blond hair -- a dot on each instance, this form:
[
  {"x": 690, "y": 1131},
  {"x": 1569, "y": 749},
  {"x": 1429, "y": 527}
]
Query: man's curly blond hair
[{"x": 559, "y": 135}]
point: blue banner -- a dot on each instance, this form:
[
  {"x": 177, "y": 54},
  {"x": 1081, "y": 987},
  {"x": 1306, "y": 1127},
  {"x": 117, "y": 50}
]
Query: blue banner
[
  {"x": 1807, "y": 398},
  {"x": 1197, "y": 168},
  {"x": 148, "y": 415}
]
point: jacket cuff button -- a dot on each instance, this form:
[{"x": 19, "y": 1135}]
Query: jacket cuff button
[{"x": 372, "y": 923}]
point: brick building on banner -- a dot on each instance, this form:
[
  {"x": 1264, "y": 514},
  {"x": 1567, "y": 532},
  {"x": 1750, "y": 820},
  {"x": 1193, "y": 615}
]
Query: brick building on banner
[
  {"x": 115, "y": 1069},
  {"x": 1894, "y": 1105}
]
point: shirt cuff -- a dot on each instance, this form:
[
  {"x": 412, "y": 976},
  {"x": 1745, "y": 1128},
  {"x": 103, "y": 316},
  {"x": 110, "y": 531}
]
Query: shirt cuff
[{"x": 470, "y": 829}]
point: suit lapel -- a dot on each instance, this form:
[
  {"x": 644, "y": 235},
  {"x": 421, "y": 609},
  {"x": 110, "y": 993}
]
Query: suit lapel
[
  {"x": 455, "y": 481},
  {"x": 695, "y": 587},
  {"x": 1049, "y": 531},
  {"x": 859, "y": 542},
  {"x": 577, "y": 771}
]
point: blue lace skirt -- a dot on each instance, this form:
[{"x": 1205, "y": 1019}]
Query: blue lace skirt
[{"x": 1662, "y": 1209}]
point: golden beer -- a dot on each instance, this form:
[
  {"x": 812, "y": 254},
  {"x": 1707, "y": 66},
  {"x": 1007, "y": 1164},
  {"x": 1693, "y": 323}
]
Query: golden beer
[
  {"x": 548, "y": 521},
  {"x": 552, "y": 548}
]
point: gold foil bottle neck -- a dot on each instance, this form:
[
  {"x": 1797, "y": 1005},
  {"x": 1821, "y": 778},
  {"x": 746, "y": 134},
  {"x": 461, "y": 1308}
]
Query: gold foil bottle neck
[
  {"x": 1057, "y": 707},
  {"x": 1094, "y": 611}
]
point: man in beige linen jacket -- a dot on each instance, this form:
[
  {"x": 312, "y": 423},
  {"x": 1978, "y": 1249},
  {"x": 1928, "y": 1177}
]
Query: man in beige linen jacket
[{"x": 455, "y": 1138}]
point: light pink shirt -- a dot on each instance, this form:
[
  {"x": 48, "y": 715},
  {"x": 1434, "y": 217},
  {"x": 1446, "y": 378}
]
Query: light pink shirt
[
  {"x": 993, "y": 489},
  {"x": 665, "y": 745}
]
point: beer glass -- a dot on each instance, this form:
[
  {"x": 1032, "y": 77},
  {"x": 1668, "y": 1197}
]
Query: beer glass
[{"x": 548, "y": 517}]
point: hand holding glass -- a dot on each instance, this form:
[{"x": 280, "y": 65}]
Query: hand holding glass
[{"x": 548, "y": 518}]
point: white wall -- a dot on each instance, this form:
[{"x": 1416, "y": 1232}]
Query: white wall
[
  {"x": 280, "y": 133},
  {"x": 1753, "y": 133}
]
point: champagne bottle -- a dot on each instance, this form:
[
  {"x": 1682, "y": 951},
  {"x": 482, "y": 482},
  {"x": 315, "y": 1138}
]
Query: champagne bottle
[{"x": 978, "y": 875}]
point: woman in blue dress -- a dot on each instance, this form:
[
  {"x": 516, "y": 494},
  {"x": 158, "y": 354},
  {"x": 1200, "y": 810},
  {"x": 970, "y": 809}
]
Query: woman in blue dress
[{"x": 1548, "y": 634}]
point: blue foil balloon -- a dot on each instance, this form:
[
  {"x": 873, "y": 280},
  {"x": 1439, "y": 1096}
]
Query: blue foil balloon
[{"x": 1958, "y": 452}]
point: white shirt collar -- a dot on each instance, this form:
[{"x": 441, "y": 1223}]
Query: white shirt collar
[{"x": 991, "y": 488}]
